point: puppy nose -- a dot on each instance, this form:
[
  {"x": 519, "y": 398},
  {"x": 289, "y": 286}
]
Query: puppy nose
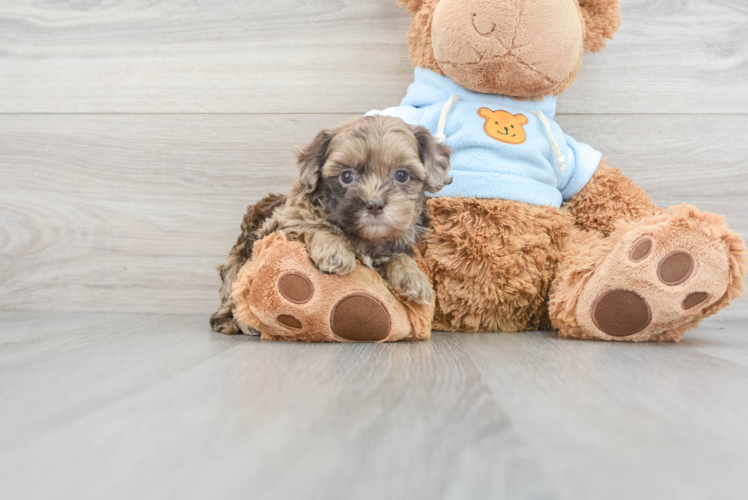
[{"x": 375, "y": 207}]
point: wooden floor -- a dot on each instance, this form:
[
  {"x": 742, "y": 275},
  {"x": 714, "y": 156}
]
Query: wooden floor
[{"x": 123, "y": 406}]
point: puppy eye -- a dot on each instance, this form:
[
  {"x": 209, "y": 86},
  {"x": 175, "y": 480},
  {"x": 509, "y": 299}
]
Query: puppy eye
[
  {"x": 402, "y": 176},
  {"x": 346, "y": 177}
]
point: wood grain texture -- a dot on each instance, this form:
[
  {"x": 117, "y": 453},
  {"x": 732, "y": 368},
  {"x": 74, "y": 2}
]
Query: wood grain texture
[
  {"x": 154, "y": 406},
  {"x": 133, "y": 213},
  {"x": 331, "y": 56}
]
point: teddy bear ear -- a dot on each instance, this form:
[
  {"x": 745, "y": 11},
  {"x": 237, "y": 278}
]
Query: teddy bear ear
[
  {"x": 602, "y": 18},
  {"x": 411, "y": 6}
]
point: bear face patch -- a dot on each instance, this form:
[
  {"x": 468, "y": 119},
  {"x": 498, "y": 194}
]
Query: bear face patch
[{"x": 504, "y": 126}]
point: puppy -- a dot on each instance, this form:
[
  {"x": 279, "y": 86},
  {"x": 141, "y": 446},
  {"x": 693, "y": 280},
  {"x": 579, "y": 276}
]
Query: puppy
[{"x": 360, "y": 195}]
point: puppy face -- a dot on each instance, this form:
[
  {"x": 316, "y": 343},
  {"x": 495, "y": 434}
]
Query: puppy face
[{"x": 371, "y": 175}]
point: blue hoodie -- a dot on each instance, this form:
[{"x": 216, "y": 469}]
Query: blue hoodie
[{"x": 503, "y": 148}]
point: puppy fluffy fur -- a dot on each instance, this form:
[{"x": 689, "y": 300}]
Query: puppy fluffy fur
[{"x": 360, "y": 195}]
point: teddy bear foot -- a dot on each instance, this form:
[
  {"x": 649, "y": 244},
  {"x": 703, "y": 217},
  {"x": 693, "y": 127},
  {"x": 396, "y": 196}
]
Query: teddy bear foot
[
  {"x": 282, "y": 295},
  {"x": 661, "y": 279}
]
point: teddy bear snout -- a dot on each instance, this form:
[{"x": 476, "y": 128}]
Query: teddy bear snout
[{"x": 483, "y": 25}]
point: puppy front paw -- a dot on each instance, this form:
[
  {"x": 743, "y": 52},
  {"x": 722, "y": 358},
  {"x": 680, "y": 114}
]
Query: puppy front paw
[
  {"x": 408, "y": 280},
  {"x": 414, "y": 286},
  {"x": 225, "y": 324},
  {"x": 337, "y": 263},
  {"x": 331, "y": 254}
]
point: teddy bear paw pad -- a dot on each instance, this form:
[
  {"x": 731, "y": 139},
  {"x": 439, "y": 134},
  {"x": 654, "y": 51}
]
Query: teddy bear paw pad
[
  {"x": 296, "y": 288},
  {"x": 652, "y": 283},
  {"x": 360, "y": 317},
  {"x": 641, "y": 250},
  {"x": 289, "y": 321},
  {"x": 621, "y": 313},
  {"x": 676, "y": 268}
]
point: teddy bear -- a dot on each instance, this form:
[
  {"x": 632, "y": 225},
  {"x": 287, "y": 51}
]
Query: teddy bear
[{"x": 536, "y": 230}]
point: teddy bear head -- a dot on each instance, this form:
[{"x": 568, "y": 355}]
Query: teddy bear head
[{"x": 519, "y": 48}]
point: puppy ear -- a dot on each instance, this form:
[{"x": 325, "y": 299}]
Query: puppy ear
[
  {"x": 602, "y": 18},
  {"x": 435, "y": 157},
  {"x": 311, "y": 158}
]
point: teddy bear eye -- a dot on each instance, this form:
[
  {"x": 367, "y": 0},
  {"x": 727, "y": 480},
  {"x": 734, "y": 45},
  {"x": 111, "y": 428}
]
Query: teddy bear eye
[{"x": 512, "y": 126}]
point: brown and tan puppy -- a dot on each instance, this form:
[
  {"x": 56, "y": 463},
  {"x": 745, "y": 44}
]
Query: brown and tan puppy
[{"x": 361, "y": 194}]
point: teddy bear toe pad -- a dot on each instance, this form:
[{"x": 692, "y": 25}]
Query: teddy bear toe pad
[
  {"x": 655, "y": 280},
  {"x": 360, "y": 317},
  {"x": 621, "y": 313},
  {"x": 296, "y": 288}
]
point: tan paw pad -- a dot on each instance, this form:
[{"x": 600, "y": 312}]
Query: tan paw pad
[
  {"x": 656, "y": 279},
  {"x": 641, "y": 250},
  {"x": 621, "y": 313},
  {"x": 694, "y": 300},
  {"x": 675, "y": 268},
  {"x": 289, "y": 321},
  {"x": 360, "y": 317},
  {"x": 295, "y": 288}
]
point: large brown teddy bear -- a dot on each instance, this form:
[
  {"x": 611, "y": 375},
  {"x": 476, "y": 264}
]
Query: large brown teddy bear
[{"x": 536, "y": 231}]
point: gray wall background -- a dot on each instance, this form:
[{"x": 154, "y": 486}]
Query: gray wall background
[{"x": 134, "y": 133}]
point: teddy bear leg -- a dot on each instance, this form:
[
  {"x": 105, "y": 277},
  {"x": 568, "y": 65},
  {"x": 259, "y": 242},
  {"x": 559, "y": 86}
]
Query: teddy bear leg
[
  {"x": 608, "y": 198},
  {"x": 281, "y": 294},
  {"x": 650, "y": 280},
  {"x": 492, "y": 263}
]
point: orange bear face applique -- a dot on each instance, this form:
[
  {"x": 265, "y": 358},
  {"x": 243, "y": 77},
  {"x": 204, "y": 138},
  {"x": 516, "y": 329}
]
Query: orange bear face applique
[{"x": 504, "y": 126}]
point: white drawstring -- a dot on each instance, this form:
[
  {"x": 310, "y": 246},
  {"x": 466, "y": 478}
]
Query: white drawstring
[
  {"x": 556, "y": 150},
  {"x": 440, "y": 137}
]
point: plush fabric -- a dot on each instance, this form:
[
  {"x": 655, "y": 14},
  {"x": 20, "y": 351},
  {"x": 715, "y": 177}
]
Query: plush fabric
[
  {"x": 610, "y": 198},
  {"x": 492, "y": 263},
  {"x": 592, "y": 264},
  {"x": 522, "y": 49},
  {"x": 282, "y": 295},
  {"x": 519, "y": 166},
  {"x": 519, "y": 35}
]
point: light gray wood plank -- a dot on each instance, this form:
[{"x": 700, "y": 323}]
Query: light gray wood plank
[
  {"x": 26, "y": 333},
  {"x": 645, "y": 421},
  {"x": 159, "y": 406},
  {"x": 722, "y": 340},
  {"x": 677, "y": 159},
  {"x": 331, "y": 56},
  {"x": 132, "y": 213}
]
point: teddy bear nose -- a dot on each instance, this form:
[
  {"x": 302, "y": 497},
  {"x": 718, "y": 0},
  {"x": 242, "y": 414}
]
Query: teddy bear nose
[{"x": 375, "y": 207}]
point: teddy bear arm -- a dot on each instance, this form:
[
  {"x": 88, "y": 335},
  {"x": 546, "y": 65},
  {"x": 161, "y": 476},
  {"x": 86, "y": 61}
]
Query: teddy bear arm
[{"x": 608, "y": 199}]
